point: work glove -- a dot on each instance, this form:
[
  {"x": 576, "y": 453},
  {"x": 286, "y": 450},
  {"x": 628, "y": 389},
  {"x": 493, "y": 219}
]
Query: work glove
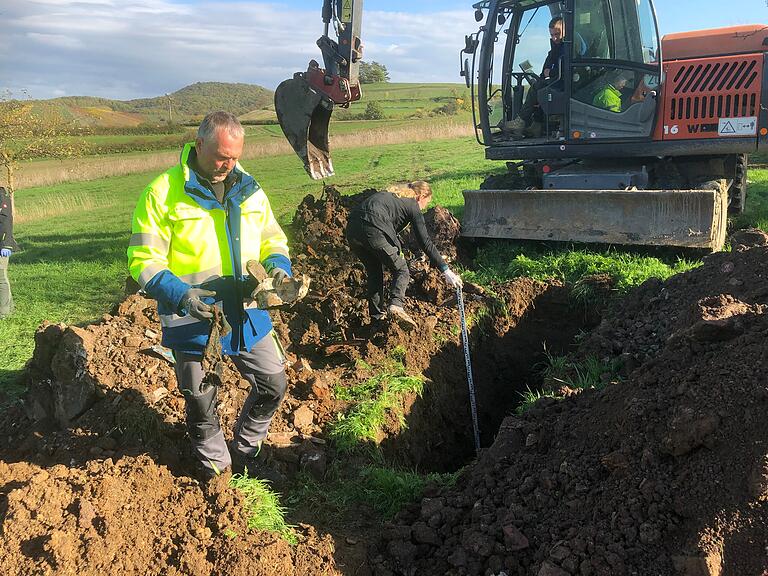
[
  {"x": 194, "y": 305},
  {"x": 5, "y": 252},
  {"x": 278, "y": 275},
  {"x": 452, "y": 279}
]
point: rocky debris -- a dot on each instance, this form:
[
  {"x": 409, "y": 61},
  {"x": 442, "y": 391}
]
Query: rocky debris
[
  {"x": 62, "y": 388},
  {"x": 303, "y": 418}
]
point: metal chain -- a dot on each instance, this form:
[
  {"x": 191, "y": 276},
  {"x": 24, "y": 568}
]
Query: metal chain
[{"x": 468, "y": 362}]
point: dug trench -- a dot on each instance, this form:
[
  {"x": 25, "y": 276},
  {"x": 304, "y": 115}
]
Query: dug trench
[
  {"x": 664, "y": 471},
  {"x": 511, "y": 334}
]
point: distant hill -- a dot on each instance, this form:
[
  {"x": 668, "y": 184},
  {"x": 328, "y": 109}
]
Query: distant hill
[
  {"x": 188, "y": 105},
  {"x": 251, "y": 103}
]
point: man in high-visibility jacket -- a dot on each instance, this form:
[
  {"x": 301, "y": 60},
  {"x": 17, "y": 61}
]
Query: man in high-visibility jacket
[
  {"x": 194, "y": 229},
  {"x": 609, "y": 96}
]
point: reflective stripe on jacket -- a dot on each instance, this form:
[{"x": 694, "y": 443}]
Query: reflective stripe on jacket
[{"x": 183, "y": 237}]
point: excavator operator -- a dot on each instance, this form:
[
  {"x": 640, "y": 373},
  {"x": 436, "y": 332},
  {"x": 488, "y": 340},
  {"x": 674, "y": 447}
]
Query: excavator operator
[{"x": 530, "y": 118}]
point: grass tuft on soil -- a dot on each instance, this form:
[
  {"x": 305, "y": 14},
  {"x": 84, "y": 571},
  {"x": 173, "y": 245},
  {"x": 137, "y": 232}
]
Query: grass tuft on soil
[
  {"x": 385, "y": 490},
  {"x": 388, "y": 490},
  {"x": 561, "y": 372},
  {"x": 263, "y": 507},
  {"x": 371, "y": 402},
  {"x": 499, "y": 261},
  {"x": 136, "y": 424}
]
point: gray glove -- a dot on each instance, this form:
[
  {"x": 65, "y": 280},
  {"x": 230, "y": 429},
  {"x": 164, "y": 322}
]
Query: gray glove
[
  {"x": 452, "y": 279},
  {"x": 194, "y": 305},
  {"x": 278, "y": 275}
]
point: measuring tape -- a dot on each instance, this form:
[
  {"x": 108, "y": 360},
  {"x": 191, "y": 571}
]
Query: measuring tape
[{"x": 468, "y": 362}]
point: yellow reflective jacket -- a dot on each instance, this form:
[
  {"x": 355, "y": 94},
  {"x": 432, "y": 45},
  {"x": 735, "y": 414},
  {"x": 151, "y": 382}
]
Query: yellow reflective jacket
[
  {"x": 182, "y": 236},
  {"x": 609, "y": 98}
]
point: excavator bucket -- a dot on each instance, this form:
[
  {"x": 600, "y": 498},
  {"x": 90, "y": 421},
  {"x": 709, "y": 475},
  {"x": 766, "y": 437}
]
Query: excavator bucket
[
  {"x": 304, "y": 114},
  {"x": 686, "y": 218}
]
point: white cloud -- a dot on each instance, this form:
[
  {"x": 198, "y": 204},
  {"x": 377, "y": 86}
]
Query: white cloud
[
  {"x": 55, "y": 40},
  {"x": 142, "y": 48}
]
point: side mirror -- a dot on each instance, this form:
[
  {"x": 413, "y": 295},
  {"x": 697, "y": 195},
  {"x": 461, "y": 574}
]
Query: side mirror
[
  {"x": 478, "y": 15},
  {"x": 470, "y": 44},
  {"x": 465, "y": 72},
  {"x": 501, "y": 19}
]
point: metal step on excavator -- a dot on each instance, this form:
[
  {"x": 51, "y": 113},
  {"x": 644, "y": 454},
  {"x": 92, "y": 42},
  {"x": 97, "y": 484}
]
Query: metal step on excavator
[{"x": 622, "y": 138}]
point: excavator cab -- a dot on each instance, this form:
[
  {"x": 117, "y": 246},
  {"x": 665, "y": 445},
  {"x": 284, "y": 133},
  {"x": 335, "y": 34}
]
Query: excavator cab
[
  {"x": 573, "y": 71},
  {"x": 305, "y": 102}
]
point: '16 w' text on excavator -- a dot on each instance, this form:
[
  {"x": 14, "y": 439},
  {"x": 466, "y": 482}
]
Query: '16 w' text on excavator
[{"x": 622, "y": 138}]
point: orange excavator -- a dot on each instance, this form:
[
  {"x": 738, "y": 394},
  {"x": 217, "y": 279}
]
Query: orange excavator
[{"x": 634, "y": 139}]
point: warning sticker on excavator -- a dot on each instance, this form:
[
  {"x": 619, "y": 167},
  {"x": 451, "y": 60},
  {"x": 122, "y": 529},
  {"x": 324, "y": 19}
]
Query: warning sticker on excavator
[
  {"x": 346, "y": 11},
  {"x": 737, "y": 126}
]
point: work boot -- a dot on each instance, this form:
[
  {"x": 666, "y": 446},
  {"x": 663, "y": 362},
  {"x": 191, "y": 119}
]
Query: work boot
[
  {"x": 516, "y": 127},
  {"x": 256, "y": 466},
  {"x": 402, "y": 317},
  {"x": 535, "y": 130},
  {"x": 379, "y": 324}
]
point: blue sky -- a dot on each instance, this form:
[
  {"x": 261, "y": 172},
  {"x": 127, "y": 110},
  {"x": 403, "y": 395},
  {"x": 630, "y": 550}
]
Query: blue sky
[{"x": 127, "y": 49}]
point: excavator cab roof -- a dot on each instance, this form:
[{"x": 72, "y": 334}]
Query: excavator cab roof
[{"x": 508, "y": 4}]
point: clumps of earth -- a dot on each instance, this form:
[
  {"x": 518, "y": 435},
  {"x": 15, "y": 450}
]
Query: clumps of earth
[{"x": 662, "y": 471}]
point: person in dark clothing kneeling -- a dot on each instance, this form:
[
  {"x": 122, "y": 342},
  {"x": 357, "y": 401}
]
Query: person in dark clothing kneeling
[{"x": 372, "y": 234}]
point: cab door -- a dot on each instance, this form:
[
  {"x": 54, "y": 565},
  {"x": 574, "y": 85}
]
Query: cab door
[{"x": 615, "y": 58}]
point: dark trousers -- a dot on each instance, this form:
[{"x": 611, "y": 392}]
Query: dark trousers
[
  {"x": 376, "y": 251},
  {"x": 6, "y": 299},
  {"x": 263, "y": 368},
  {"x": 531, "y": 110}
]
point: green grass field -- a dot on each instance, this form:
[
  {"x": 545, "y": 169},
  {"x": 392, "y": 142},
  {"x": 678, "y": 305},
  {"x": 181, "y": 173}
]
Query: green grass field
[
  {"x": 402, "y": 105},
  {"x": 73, "y": 266},
  {"x": 106, "y": 144}
]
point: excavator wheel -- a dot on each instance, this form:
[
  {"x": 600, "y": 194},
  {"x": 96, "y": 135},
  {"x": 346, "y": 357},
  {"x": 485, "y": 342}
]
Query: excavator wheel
[
  {"x": 517, "y": 177},
  {"x": 737, "y": 193}
]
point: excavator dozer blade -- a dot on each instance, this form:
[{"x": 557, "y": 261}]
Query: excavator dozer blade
[
  {"x": 686, "y": 218},
  {"x": 304, "y": 114}
]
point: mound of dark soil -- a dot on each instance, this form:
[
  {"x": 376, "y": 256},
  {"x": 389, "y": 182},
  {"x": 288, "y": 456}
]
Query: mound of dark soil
[
  {"x": 134, "y": 517},
  {"x": 664, "y": 472}
]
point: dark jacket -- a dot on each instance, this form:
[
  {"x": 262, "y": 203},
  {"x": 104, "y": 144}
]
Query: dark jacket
[
  {"x": 6, "y": 221},
  {"x": 554, "y": 58},
  {"x": 391, "y": 214}
]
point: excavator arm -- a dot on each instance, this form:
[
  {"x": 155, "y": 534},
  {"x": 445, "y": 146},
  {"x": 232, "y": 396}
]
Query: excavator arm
[{"x": 305, "y": 102}]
